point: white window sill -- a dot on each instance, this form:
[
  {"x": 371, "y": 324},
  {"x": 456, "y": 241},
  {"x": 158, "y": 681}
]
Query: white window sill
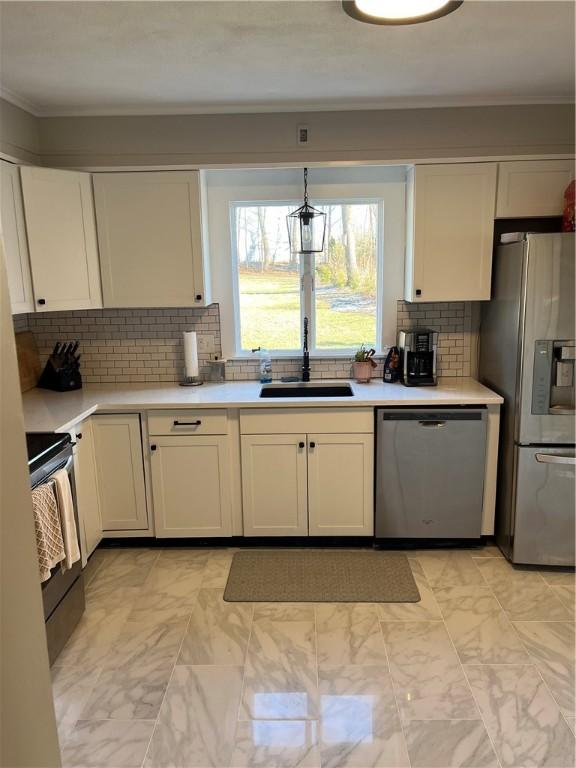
[{"x": 298, "y": 356}]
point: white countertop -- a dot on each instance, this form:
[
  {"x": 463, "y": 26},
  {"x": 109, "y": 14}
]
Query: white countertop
[{"x": 46, "y": 411}]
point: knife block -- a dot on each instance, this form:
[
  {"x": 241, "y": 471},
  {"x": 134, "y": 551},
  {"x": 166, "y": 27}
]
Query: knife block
[{"x": 63, "y": 380}]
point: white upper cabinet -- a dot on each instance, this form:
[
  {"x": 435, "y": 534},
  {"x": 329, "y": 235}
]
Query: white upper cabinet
[
  {"x": 532, "y": 188},
  {"x": 60, "y": 222},
  {"x": 13, "y": 232},
  {"x": 450, "y": 230},
  {"x": 150, "y": 235}
]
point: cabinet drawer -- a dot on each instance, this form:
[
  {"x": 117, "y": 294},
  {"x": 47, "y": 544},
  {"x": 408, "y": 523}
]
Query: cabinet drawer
[
  {"x": 272, "y": 421},
  {"x": 186, "y": 421}
]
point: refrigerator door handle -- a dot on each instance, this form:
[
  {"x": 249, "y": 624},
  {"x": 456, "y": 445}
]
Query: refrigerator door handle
[{"x": 552, "y": 458}]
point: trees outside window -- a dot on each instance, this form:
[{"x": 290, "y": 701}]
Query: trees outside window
[{"x": 336, "y": 289}]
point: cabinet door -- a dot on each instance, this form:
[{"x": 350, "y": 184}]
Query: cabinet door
[
  {"x": 532, "y": 187},
  {"x": 13, "y": 233},
  {"x": 149, "y": 228},
  {"x": 120, "y": 472},
  {"x": 87, "y": 488},
  {"x": 274, "y": 485},
  {"x": 341, "y": 485},
  {"x": 61, "y": 230},
  {"x": 191, "y": 486},
  {"x": 450, "y": 232}
]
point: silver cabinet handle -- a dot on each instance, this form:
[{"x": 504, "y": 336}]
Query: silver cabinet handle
[
  {"x": 432, "y": 423},
  {"x": 554, "y": 458}
]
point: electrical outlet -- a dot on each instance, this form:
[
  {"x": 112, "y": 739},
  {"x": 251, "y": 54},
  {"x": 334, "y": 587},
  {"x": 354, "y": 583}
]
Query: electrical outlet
[
  {"x": 303, "y": 134},
  {"x": 205, "y": 343}
]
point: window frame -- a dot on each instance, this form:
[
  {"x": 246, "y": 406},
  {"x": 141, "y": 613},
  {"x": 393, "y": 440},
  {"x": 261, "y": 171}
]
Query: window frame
[{"x": 332, "y": 182}]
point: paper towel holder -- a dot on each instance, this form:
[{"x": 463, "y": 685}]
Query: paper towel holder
[
  {"x": 191, "y": 381},
  {"x": 191, "y": 373}
]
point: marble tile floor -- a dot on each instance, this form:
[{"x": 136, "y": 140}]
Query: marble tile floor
[{"x": 162, "y": 673}]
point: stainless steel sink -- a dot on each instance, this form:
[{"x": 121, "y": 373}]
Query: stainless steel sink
[{"x": 306, "y": 389}]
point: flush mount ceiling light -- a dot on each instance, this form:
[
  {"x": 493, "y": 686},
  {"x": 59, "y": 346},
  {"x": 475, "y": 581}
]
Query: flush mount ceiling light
[
  {"x": 308, "y": 235},
  {"x": 398, "y": 11}
]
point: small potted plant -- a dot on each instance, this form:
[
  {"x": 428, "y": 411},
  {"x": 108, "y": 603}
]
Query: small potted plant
[{"x": 363, "y": 364}]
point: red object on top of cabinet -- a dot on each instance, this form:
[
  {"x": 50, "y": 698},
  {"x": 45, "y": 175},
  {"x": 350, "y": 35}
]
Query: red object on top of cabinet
[{"x": 568, "y": 217}]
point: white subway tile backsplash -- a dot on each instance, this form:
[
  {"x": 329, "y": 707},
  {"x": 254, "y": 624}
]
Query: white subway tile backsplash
[
  {"x": 453, "y": 321},
  {"x": 20, "y": 323},
  {"x": 136, "y": 345}
]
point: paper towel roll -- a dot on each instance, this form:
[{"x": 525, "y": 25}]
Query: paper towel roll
[{"x": 190, "y": 354}]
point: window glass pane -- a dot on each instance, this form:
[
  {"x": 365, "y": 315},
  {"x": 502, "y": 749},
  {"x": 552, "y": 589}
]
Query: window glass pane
[
  {"x": 346, "y": 277},
  {"x": 268, "y": 279}
]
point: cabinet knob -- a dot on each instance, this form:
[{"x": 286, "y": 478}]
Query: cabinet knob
[
  {"x": 418, "y": 292},
  {"x": 312, "y": 444},
  {"x": 198, "y": 297},
  {"x": 41, "y": 301},
  {"x": 301, "y": 445},
  {"x": 153, "y": 447}
]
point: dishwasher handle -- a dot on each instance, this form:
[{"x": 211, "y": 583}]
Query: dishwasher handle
[
  {"x": 428, "y": 416},
  {"x": 436, "y": 424}
]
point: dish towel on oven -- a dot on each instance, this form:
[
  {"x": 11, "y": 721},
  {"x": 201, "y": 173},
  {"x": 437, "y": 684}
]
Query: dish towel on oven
[
  {"x": 67, "y": 521},
  {"x": 49, "y": 540}
]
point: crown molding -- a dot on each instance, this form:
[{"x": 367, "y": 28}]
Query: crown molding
[
  {"x": 154, "y": 110},
  {"x": 20, "y": 101}
]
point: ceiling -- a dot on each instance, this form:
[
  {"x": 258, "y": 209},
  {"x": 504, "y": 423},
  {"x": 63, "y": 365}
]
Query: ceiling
[{"x": 62, "y": 58}]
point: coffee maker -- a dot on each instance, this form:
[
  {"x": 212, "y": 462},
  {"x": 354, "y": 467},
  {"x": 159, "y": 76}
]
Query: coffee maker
[{"x": 418, "y": 349}]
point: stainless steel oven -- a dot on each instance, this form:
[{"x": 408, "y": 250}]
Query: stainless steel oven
[{"x": 63, "y": 592}]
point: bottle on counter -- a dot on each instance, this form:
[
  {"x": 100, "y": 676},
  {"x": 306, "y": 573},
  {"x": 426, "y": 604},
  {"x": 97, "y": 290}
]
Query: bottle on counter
[
  {"x": 265, "y": 365},
  {"x": 392, "y": 372}
]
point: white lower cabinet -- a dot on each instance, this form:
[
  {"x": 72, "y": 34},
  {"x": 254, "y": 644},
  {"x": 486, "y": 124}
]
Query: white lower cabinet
[
  {"x": 87, "y": 489},
  {"x": 340, "y": 485},
  {"x": 191, "y": 486},
  {"x": 274, "y": 485},
  {"x": 308, "y": 484},
  {"x": 120, "y": 472}
]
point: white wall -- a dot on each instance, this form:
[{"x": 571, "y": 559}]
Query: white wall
[
  {"x": 27, "y": 725},
  {"x": 363, "y": 136},
  {"x": 19, "y": 134}
]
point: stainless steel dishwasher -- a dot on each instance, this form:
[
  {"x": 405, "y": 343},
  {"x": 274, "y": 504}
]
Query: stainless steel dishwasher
[{"x": 430, "y": 472}]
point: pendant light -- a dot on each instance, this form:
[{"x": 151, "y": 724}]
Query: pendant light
[
  {"x": 308, "y": 236},
  {"x": 398, "y": 11}
]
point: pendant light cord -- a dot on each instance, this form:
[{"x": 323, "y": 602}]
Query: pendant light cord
[{"x": 305, "y": 186}]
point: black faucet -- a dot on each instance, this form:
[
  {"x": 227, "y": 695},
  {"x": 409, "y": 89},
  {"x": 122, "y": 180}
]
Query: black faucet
[{"x": 305, "y": 355}]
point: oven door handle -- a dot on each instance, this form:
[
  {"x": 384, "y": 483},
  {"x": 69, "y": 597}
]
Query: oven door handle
[{"x": 67, "y": 465}]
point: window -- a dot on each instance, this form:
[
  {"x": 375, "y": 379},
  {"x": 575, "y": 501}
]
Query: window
[
  {"x": 264, "y": 292},
  {"x": 337, "y": 290}
]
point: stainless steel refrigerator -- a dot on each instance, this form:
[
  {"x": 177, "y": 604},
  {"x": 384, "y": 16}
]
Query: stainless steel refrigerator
[{"x": 527, "y": 353}]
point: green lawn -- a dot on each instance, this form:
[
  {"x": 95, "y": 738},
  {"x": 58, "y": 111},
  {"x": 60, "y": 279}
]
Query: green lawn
[{"x": 270, "y": 305}]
